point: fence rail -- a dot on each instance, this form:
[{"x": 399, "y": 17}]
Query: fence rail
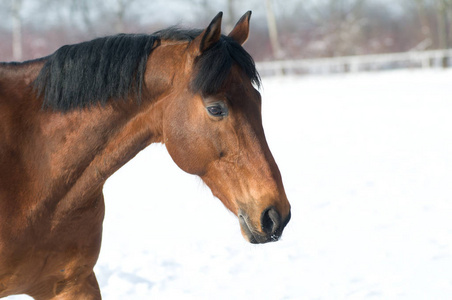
[{"x": 412, "y": 59}]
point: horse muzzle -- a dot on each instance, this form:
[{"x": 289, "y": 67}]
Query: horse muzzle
[{"x": 271, "y": 226}]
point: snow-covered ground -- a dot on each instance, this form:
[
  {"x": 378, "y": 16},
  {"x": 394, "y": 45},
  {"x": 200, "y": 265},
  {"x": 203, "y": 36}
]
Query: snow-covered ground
[{"x": 367, "y": 165}]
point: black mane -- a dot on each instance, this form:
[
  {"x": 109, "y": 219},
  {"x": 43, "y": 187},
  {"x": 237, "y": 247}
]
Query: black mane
[
  {"x": 113, "y": 67},
  {"x": 95, "y": 71}
]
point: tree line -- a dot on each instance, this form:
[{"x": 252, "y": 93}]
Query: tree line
[{"x": 281, "y": 29}]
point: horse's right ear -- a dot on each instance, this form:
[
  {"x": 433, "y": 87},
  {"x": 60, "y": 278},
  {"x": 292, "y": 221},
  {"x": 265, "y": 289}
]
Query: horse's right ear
[
  {"x": 209, "y": 37},
  {"x": 242, "y": 29}
]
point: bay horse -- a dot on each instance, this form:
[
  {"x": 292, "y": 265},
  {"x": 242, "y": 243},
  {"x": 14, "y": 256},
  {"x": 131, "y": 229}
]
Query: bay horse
[{"x": 70, "y": 120}]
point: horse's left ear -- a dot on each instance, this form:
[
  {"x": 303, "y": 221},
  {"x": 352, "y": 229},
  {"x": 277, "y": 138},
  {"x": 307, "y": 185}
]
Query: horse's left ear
[{"x": 242, "y": 29}]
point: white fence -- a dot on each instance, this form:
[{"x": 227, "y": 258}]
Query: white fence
[{"x": 412, "y": 59}]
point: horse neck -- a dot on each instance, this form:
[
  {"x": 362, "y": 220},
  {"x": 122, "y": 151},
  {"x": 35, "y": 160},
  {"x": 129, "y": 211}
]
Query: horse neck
[
  {"x": 79, "y": 149},
  {"x": 91, "y": 144}
]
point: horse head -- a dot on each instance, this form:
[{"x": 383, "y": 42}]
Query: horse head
[{"x": 213, "y": 128}]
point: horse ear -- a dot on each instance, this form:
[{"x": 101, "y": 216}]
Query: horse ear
[
  {"x": 242, "y": 29},
  {"x": 210, "y": 36}
]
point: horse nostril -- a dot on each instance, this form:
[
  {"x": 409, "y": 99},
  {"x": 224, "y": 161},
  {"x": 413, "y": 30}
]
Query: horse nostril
[{"x": 270, "y": 220}]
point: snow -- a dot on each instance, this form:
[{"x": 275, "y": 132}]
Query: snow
[{"x": 367, "y": 164}]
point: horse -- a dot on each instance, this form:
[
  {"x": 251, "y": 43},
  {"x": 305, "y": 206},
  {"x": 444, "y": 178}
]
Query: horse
[{"x": 70, "y": 120}]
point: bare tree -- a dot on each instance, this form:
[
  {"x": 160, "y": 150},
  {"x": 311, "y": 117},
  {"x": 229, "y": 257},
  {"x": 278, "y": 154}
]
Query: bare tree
[
  {"x": 441, "y": 23},
  {"x": 273, "y": 30},
  {"x": 443, "y": 8},
  {"x": 346, "y": 25},
  {"x": 16, "y": 7},
  {"x": 120, "y": 15},
  {"x": 423, "y": 18},
  {"x": 449, "y": 19}
]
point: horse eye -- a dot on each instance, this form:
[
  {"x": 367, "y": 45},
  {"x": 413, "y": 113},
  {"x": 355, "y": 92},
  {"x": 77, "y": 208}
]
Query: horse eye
[{"x": 216, "y": 111}]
